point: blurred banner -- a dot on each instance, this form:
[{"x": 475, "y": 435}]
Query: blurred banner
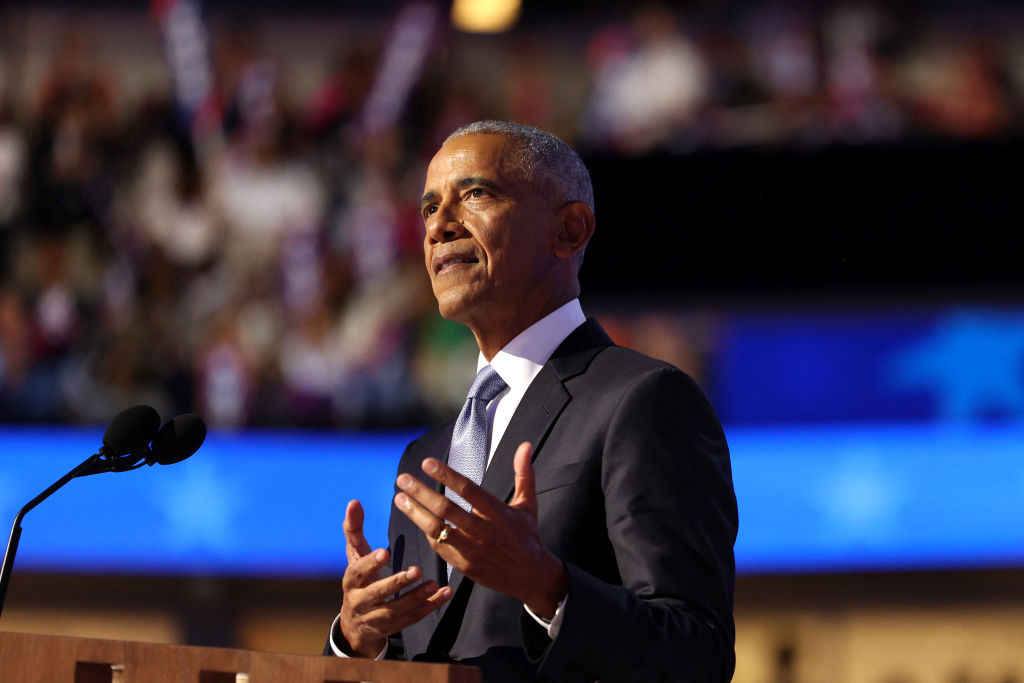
[{"x": 186, "y": 42}]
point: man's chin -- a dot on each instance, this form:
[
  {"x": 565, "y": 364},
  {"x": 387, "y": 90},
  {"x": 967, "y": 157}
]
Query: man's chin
[
  {"x": 454, "y": 306},
  {"x": 465, "y": 304}
]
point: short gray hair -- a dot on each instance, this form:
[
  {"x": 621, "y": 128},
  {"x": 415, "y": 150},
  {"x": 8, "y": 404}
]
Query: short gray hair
[{"x": 549, "y": 164}]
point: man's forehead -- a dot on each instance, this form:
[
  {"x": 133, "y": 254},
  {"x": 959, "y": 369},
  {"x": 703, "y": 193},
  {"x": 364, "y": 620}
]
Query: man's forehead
[{"x": 475, "y": 149}]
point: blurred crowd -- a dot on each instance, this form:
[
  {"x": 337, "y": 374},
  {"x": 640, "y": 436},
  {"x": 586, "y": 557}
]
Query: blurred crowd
[
  {"x": 840, "y": 74},
  {"x": 271, "y": 272}
]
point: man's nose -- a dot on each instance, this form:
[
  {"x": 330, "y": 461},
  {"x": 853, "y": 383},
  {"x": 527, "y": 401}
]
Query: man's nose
[{"x": 445, "y": 226}]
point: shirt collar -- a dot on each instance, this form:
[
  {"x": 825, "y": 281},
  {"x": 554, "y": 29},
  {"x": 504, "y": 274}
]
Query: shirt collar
[{"x": 522, "y": 358}]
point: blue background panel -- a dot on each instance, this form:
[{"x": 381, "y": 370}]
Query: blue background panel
[
  {"x": 253, "y": 503},
  {"x": 945, "y": 364},
  {"x": 812, "y": 498},
  {"x": 841, "y": 498}
]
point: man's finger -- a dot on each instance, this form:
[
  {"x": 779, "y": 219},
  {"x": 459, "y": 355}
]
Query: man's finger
[
  {"x": 387, "y": 587},
  {"x": 364, "y": 570},
  {"x": 414, "y": 494},
  {"x": 355, "y": 543},
  {"x": 405, "y": 611},
  {"x": 428, "y": 522},
  {"x": 483, "y": 503},
  {"x": 525, "y": 495},
  {"x": 431, "y": 525}
]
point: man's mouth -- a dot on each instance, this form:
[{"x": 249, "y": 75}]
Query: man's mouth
[{"x": 445, "y": 263}]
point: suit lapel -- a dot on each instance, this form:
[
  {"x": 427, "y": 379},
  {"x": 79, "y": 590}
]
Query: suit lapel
[
  {"x": 537, "y": 411},
  {"x": 542, "y": 404}
]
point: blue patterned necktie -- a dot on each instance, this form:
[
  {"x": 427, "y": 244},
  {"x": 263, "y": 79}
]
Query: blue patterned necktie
[{"x": 470, "y": 440}]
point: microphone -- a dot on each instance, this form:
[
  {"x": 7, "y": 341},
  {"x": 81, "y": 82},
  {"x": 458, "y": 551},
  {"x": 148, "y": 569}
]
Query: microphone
[
  {"x": 125, "y": 447},
  {"x": 124, "y": 443},
  {"x": 178, "y": 439},
  {"x": 130, "y": 430}
]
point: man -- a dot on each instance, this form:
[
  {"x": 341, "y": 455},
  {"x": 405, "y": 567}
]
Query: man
[{"x": 598, "y": 543}]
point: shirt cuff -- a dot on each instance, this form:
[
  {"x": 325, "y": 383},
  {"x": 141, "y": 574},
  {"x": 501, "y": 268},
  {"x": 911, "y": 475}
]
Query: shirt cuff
[
  {"x": 336, "y": 628},
  {"x": 552, "y": 626}
]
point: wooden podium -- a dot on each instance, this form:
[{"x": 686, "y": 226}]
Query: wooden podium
[{"x": 26, "y": 658}]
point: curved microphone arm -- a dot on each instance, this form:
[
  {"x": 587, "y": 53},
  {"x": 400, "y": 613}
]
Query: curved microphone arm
[
  {"x": 124, "y": 448},
  {"x": 105, "y": 461},
  {"x": 12, "y": 543}
]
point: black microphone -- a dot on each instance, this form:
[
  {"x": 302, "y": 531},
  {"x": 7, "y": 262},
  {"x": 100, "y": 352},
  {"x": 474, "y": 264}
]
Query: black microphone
[
  {"x": 130, "y": 430},
  {"x": 125, "y": 447},
  {"x": 124, "y": 443},
  {"x": 178, "y": 439}
]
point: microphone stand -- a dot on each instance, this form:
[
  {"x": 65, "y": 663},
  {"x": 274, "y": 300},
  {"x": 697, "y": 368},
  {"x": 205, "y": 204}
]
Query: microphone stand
[
  {"x": 92, "y": 465},
  {"x": 175, "y": 441}
]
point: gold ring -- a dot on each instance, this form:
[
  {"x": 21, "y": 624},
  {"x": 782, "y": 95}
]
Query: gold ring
[{"x": 443, "y": 536}]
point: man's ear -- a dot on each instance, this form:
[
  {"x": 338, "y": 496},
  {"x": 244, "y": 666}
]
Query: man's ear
[{"x": 576, "y": 227}]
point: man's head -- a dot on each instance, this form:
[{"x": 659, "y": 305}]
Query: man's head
[
  {"x": 553, "y": 168},
  {"x": 508, "y": 211}
]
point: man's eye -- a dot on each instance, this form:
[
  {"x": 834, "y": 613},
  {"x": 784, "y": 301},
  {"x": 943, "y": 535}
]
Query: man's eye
[
  {"x": 430, "y": 210},
  {"x": 477, "y": 192}
]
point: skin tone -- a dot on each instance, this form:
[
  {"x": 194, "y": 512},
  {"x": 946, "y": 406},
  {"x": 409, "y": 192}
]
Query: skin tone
[{"x": 500, "y": 257}]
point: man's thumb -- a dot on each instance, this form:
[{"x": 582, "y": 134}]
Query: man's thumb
[{"x": 525, "y": 495}]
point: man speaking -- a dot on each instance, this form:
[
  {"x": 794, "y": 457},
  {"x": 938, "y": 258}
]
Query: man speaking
[{"x": 576, "y": 521}]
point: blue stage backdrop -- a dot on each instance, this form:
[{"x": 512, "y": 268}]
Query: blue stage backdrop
[{"x": 822, "y": 498}]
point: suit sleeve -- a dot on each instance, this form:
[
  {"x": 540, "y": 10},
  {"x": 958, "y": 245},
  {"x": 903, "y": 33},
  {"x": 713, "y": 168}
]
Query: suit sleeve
[{"x": 670, "y": 513}]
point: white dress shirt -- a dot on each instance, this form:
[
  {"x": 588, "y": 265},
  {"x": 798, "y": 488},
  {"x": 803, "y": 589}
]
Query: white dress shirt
[{"x": 518, "y": 363}]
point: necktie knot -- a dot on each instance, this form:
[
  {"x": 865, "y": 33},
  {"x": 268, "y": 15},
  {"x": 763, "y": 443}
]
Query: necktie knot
[{"x": 486, "y": 385}]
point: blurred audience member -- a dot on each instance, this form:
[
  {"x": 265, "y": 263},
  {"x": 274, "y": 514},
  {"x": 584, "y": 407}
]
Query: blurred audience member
[
  {"x": 226, "y": 384},
  {"x": 15, "y": 354},
  {"x": 859, "y": 77},
  {"x": 13, "y": 153},
  {"x": 74, "y": 112},
  {"x": 648, "y": 82},
  {"x": 339, "y": 100}
]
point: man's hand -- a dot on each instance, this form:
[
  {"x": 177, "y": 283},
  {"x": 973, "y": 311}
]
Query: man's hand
[
  {"x": 369, "y": 613},
  {"x": 496, "y": 545}
]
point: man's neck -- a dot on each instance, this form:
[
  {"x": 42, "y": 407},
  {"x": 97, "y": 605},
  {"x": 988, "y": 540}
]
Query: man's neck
[
  {"x": 558, "y": 322},
  {"x": 496, "y": 335}
]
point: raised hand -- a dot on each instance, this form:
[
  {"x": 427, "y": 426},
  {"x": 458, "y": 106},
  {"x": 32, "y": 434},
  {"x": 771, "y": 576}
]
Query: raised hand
[
  {"x": 370, "y": 612},
  {"x": 496, "y": 545}
]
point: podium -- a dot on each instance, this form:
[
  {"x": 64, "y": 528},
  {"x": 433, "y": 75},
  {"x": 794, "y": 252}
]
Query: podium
[{"x": 27, "y": 658}]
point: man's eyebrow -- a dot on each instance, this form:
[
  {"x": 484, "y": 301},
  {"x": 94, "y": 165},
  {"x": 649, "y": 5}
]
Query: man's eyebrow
[
  {"x": 427, "y": 198},
  {"x": 473, "y": 181},
  {"x": 462, "y": 183}
]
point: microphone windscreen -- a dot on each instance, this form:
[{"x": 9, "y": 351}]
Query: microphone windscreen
[
  {"x": 131, "y": 430},
  {"x": 178, "y": 439}
]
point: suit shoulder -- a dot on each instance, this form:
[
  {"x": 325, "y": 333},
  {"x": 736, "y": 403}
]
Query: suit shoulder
[
  {"x": 624, "y": 366},
  {"x": 628, "y": 357}
]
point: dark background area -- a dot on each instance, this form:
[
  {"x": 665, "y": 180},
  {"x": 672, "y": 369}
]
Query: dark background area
[{"x": 935, "y": 216}]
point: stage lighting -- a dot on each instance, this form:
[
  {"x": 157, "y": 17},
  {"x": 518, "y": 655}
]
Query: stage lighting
[{"x": 485, "y": 16}]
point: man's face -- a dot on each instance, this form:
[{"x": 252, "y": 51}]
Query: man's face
[{"x": 489, "y": 234}]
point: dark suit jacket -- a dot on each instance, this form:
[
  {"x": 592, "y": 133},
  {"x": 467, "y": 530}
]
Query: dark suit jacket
[{"x": 634, "y": 494}]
